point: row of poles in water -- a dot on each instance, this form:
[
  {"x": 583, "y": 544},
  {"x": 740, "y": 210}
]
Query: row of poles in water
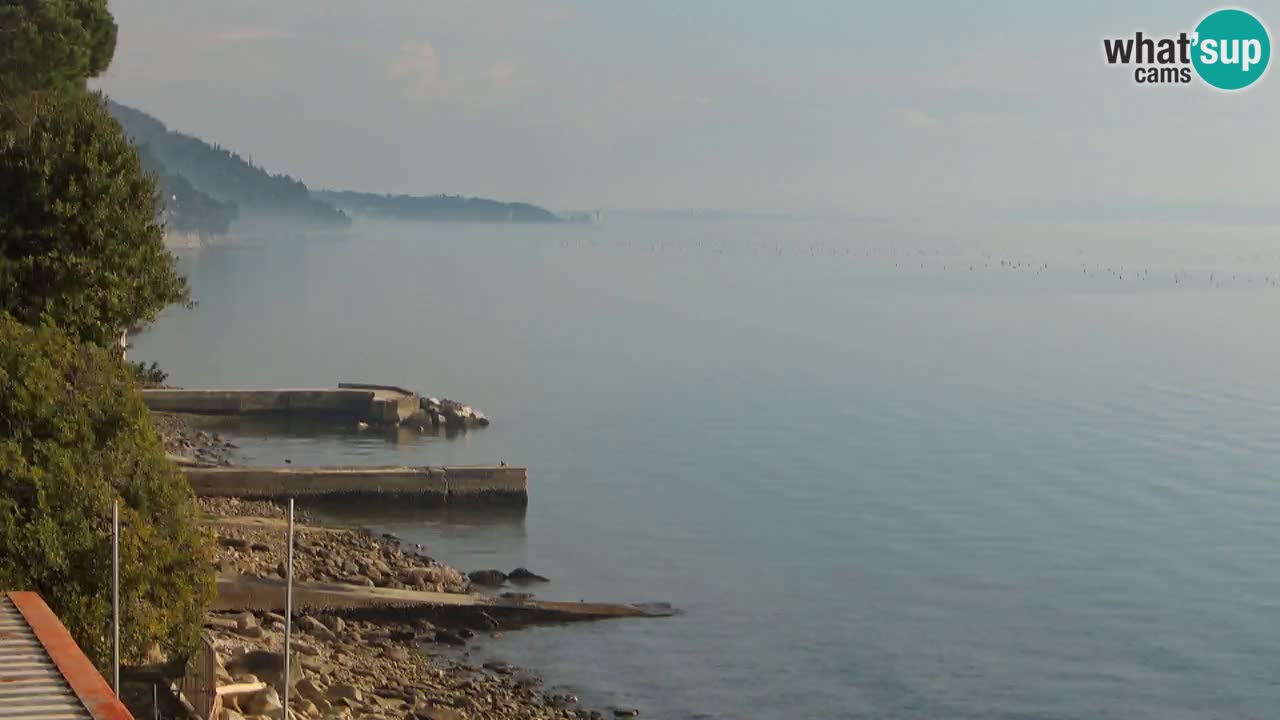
[
  {"x": 954, "y": 262},
  {"x": 906, "y": 260}
]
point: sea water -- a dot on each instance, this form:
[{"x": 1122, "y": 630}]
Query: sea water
[{"x": 887, "y": 470}]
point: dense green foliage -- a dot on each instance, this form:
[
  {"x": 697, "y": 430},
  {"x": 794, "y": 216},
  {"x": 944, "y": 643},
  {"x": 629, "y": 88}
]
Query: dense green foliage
[
  {"x": 454, "y": 208},
  {"x": 81, "y": 258},
  {"x": 225, "y": 175},
  {"x": 80, "y": 243},
  {"x": 50, "y": 45},
  {"x": 74, "y": 437},
  {"x": 147, "y": 374}
]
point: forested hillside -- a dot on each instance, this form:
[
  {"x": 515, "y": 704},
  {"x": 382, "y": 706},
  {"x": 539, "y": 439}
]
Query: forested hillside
[
  {"x": 223, "y": 175},
  {"x": 436, "y": 207}
]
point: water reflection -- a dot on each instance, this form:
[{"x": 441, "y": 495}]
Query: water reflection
[
  {"x": 272, "y": 441},
  {"x": 376, "y": 511},
  {"x": 492, "y": 525},
  {"x": 289, "y": 426}
]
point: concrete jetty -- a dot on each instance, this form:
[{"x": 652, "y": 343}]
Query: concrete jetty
[
  {"x": 245, "y": 592},
  {"x": 495, "y": 484},
  {"x": 354, "y": 402}
]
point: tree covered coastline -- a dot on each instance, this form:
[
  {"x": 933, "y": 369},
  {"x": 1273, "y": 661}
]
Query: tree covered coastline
[{"x": 205, "y": 188}]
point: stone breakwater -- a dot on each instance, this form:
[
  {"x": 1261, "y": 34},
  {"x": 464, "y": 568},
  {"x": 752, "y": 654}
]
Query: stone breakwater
[
  {"x": 447, "y": 414},
  {"x": 360, "y": 403}
]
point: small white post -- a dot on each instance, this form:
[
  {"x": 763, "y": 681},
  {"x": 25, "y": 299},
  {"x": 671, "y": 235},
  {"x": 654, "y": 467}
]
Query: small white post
[
  {"x": 115, "y": 597},
  {"x": 288, "y": 610}
]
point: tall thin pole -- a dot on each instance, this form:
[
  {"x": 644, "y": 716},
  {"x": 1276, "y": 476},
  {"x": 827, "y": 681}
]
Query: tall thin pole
[
  {"x": 115, "y": 597},
  {"x": 288, "y": 609}
]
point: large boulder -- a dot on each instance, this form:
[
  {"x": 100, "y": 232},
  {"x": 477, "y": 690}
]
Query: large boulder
[
  {"x": 420, "y": 420},
  {"x": 266, "y": 665},
  {"x": 315, "y": 627},
  {"x": 488, "y": 578},
  {"x": 264, "y": 702},
  {"x": 448, "y": 637},
  {"x": 311, "y": 690},
  {"x": 524, "y": 575},
  {"x": 344, "y": 691},
  {"x": 247, "y": 623}
]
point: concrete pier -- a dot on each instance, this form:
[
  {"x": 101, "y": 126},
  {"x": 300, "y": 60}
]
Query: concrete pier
[
  {"x": 349, "y": 401},
  {"x": 431, "y": 485},
  {"x": 244, "y": 592}
]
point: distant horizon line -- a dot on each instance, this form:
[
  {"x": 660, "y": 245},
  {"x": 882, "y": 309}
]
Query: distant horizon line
[{"x": 1251, "y": 216}]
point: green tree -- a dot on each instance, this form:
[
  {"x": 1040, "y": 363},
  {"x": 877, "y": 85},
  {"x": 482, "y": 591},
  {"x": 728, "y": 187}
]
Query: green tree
[
  {"x": 74, "y": 437},
  {"x": 49, "y": 45},
  {"x": 80, "y": 243}
]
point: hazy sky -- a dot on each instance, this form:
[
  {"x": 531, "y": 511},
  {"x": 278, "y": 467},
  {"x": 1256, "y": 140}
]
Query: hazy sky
[{"x": 885, "y": 108}]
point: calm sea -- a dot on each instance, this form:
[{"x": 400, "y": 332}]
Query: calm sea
[{"x": 887, "y": 470}]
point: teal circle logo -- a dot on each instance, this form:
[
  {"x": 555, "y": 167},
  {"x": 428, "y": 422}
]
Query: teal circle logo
[{"x": 1232, "y": 49}]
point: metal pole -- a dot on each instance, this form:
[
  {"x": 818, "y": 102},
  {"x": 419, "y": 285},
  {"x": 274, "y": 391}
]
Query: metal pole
[
  {"x": 155, "y": 700},
  {"x": 115, "y": 597},
  {"x": 288, "y": 609}
]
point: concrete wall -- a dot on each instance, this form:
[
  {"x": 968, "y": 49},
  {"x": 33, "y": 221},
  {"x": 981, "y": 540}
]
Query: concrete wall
[
  {"x": 248, "y": 482},
  {"x": 487, "y": 484},
  {"x": 391, "y": 403},
  {"x": 355, "y": 404},
  {"x": 348, "y": 403},
  {"x": 386, "y": 405},
  {"x": 453, "y": 485}
]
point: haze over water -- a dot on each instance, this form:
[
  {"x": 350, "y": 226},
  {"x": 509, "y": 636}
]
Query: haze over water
[{"x": 880, "y": 484}]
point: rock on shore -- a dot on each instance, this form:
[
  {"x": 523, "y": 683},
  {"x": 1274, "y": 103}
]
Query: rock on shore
[
  {"x": 355, "y": 557},
  {"x": 181, "y": 439},
  {"x": 355, "y": 669},
  {"x": 242, "y": 507},
  {"x": 345, "y": 667},
  {"x": 447, "y": 414}
]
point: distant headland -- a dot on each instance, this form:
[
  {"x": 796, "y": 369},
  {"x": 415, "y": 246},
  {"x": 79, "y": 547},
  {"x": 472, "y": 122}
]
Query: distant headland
[
  {"x": 449, "y": 208},
  {"x": 207, "y": 189}
]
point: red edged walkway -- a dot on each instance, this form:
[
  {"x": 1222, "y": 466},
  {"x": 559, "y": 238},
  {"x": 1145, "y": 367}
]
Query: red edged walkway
[{"x": 43, "y": 673}]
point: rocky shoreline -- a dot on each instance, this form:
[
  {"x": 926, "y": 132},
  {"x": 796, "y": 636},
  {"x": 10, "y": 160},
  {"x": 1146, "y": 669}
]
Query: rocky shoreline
[
  {"x": 255, "y": 545},
  {"x": 369, "y": 667},
  {"x": 349, "y": 667},
  {"x": 360, "y": 669},
  {"x": 184, "y": 442}
]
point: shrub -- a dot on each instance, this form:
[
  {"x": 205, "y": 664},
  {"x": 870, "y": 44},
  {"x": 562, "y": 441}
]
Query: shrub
[
  {"x": 148, "y": 375},
  {"x": 74, "y": 437}
]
